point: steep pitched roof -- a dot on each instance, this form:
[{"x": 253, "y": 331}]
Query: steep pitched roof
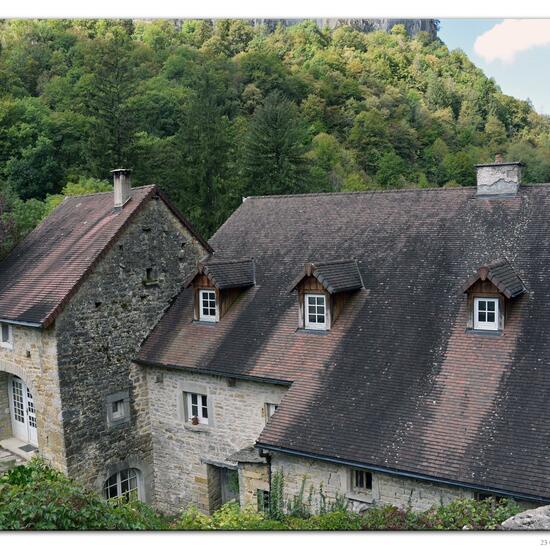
[
  {"x": 336, "y": 276},
  {"x": 502, "y": 275},
  {"x": 41, "y": 273},
  {"x": 397, "y": 383},
  {"x": 227, "y": 273}
]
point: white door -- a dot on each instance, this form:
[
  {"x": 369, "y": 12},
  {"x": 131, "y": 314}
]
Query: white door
[{"x": 23, "y": 413}]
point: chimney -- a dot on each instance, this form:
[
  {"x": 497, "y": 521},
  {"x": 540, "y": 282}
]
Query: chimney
[
  {"x": 499, "y": 179},
  {"x": 121, "y": 180}
]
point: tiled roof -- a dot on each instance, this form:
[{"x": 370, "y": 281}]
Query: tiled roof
[
  {"x": 229, "y": 273},
  {"x": 336, "y": 276},
  {"x": 503, "y": 276},
  {"x": 397, "y": 382},
  {"x": 45, "y": 269}
]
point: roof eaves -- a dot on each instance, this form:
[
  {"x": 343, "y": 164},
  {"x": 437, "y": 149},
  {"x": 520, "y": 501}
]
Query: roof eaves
[{"x": 402, "y": 473}]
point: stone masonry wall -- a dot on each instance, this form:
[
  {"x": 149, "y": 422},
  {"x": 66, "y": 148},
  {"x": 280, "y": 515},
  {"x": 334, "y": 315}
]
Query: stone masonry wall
[
  {"x": 336, "y": 481},
  {"x": 34, "y": 359},
  {"x": 252, "y": 478},
  {"x": 183, "y": 451},
  {"x": 99, "y": 333}
]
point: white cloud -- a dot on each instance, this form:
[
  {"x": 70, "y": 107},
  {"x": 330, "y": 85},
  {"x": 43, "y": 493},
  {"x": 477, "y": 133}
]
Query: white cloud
[{"x": 505, "y": 40}]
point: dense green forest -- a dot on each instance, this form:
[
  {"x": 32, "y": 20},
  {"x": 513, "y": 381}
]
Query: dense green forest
[{"x": 214, "y": 112}]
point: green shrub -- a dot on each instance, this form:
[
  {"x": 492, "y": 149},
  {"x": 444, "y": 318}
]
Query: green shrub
[{"x": 34, "y": 496}]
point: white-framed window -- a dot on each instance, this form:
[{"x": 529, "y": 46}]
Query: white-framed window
[
  {"x": 197, "y": 408},
  {"x": 361, "y": 481},
  {"x": 315, "y": 311},
  {"x": 6, "y": 336},
  {"x": 270, "y": 409},
  {"x": 124, "y": 484},
  {"x": 486, "y": 313},
  {"x": 208, "y": 309}
]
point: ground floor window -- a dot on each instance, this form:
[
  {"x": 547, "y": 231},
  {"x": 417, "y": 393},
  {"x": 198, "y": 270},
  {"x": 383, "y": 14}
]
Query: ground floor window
[
  {"x": 361, "y": 480},
  {"x": 124, "y": 484}
]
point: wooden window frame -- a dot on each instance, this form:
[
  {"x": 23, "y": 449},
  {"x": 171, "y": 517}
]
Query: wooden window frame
[
  {"x": 138, "y": 490},
  {"x": 316, "y": 326},
  {"x": 366, "y": 486},
  {"x": 208, "y": 318},
  {"x": 484, "y": 325},
  {"x": 200, "y": 405}
]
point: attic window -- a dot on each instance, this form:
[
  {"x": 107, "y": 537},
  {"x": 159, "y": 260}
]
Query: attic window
[
  {"x": 315, "y": 311},
  {"x": 208, "y": 310},
  {"x": 486, "y": 313}
]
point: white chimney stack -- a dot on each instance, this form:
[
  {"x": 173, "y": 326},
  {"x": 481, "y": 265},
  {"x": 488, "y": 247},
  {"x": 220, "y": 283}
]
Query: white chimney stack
[
  {"x": 121, "y": 180},
  {"x": 499, "y": 178}
]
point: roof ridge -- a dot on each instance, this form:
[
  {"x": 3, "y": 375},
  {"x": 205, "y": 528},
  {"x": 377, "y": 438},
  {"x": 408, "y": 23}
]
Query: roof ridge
[
  {"x": 106, "y": 192},
  {"x": 385, "y": 191},
  {"x": 220, "y": 261},
  {"x": 334, "y": 262}
]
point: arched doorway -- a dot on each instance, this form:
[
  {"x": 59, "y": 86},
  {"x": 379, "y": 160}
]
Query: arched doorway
[{"x": 22, "y": 411}]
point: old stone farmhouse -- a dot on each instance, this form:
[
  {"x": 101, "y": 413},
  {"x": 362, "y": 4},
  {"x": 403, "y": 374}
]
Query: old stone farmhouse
[{"x": 387, "y": 347}]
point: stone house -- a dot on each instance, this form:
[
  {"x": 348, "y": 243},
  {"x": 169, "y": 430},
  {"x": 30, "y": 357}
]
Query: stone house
[
  {"x": 77, "y": 298},
  {"x": 380, "y": 347}
]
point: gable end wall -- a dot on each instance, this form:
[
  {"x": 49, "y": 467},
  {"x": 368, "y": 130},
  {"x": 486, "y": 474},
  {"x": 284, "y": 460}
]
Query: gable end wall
[{"x": 99, "y": 333}]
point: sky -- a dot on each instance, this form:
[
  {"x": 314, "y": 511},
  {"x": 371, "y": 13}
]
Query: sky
[{"x": 515, "y": 52}]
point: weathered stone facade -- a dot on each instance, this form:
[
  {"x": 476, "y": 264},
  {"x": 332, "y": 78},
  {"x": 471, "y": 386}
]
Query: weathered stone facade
[
  {"x": 99, "y": 333},
  {"x": 33, "y": 358},
  {"x": 335, "y": 481},
  {"x": 182, "y": 451}
]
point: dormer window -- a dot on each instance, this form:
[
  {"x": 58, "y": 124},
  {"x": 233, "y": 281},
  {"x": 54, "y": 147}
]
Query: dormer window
[
  {"x": 491, "y": 292},
  {"x": 217, "y": 284},
  {"x": 323, "y": 290},
  {"x": 486, "y": 313},
  {"x": 208, "y": 309},
  {"x": 315, "y": 311}
]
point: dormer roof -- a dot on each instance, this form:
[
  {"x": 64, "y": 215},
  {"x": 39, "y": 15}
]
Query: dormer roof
[
  {"x": 502, "y": 275},
  {"x": 335, "y": 276},
  {"x": 224, "y": 274}
]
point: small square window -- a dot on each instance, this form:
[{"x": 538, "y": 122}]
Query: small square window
[
  {"x": 151, "y": 276},
  {"x": 208, "y": 310},
  {"x": 315, "y": 312},
  {"x": 118, "y": 408},
  {"x": 197, "y": 408},
  {"x": 486, "y": 313},
  {"x": 361, "y": 480},
  {"x": 6, "y": 335}
]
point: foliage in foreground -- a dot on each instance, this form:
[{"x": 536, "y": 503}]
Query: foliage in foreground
[{"x": 36, "y": 497}]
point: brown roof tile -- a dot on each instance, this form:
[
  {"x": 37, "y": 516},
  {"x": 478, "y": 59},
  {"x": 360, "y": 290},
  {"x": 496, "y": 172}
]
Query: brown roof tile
[
  {"x": 45, "y": 269},
  {"x": 397, "y": 382}
]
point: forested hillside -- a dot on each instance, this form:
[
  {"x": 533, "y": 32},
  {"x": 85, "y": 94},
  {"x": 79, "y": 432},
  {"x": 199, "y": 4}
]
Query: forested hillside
[{"x": 212, "y": 113}]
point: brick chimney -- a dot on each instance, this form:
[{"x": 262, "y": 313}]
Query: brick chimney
[
  {"x": 121, "y": 180},
  {"x": 500, "y": 179}
]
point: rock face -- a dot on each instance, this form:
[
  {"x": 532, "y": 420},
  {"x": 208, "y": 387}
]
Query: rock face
[
  {"x": 535, "y": 519},
  {"x": 412, "y": 26}
]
